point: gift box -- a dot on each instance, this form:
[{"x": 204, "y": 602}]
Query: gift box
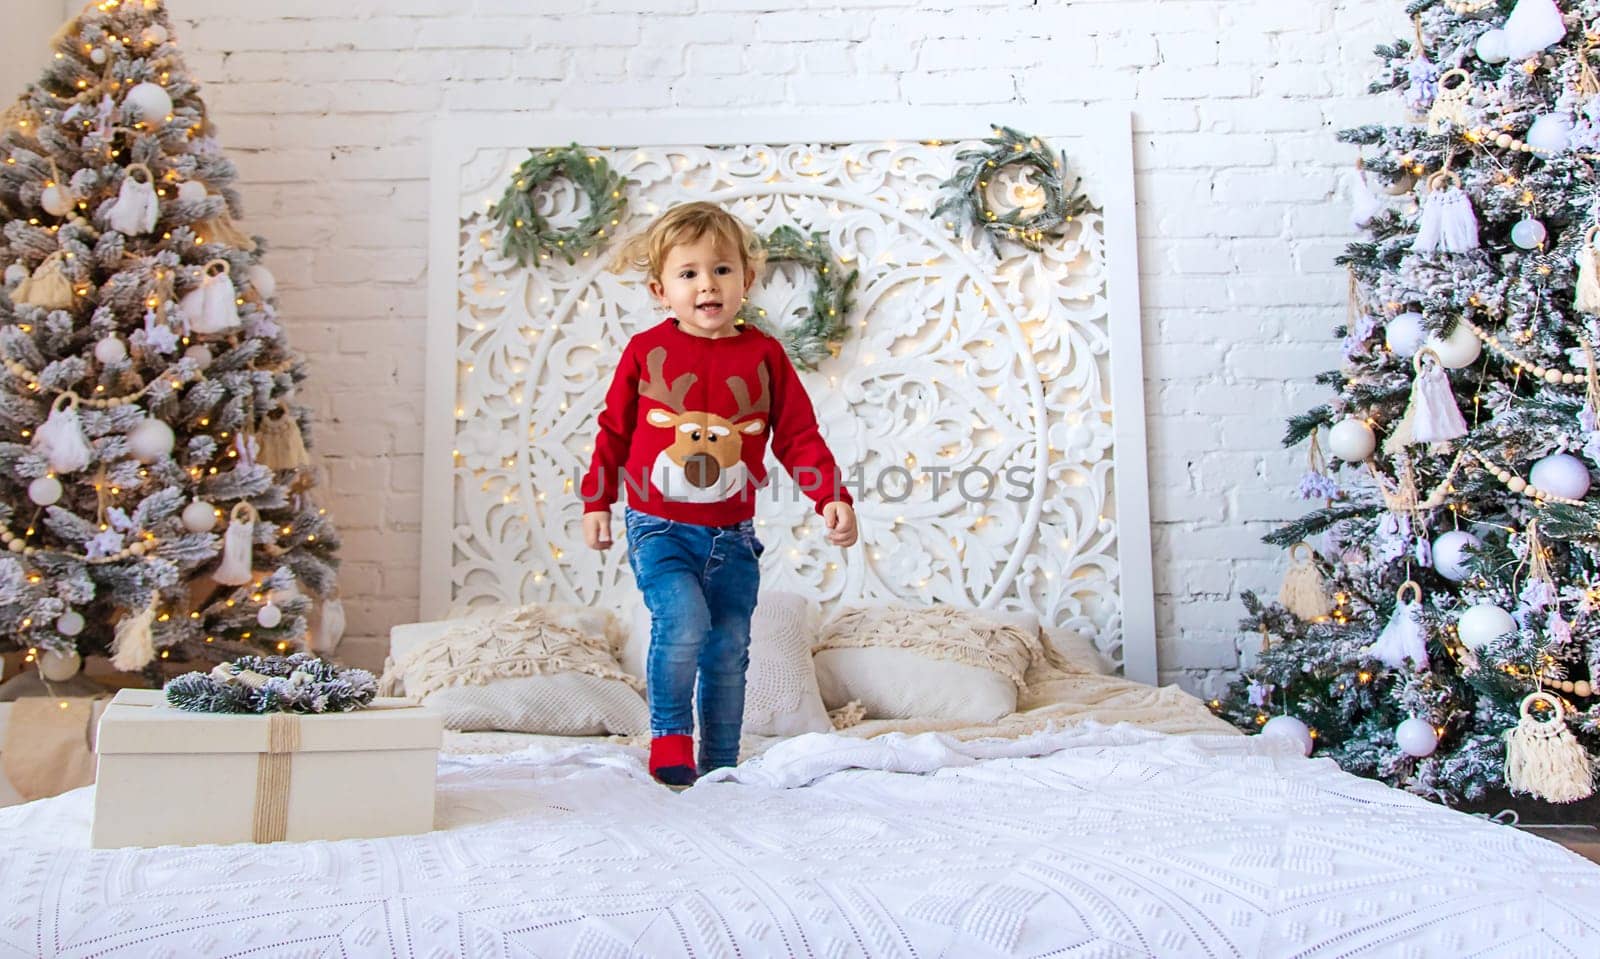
[{"x": 170, "y": 777}]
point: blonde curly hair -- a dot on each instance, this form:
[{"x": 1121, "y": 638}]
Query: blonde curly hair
[{"x": 646, "y": 251}]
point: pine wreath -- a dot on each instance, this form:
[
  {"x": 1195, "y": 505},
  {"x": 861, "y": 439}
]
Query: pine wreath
[
  {"x": 529, "y": 237},
  {"x": 299, "y": 683},
  {"x": 815, "y": 336},
  {"x": 967, "y": 205}
]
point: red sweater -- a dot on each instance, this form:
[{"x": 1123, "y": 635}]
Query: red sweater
[{"x": 686, "y": 423}]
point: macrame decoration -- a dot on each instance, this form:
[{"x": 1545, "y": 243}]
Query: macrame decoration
[
  {"x": 1532, "y": 26},
  {"x": 1402, "y": 639},
  {"x": 281, "y": 445},
  {"x": 234, "y": 570},
  {"x": 1432, "y": 415},
  {"x": 137, "y": 208},
  {"x": 1451, "y": 104},
  {"x": 1543, "y": 758},
  {"x": 1588, "y": 285},
  {"x": 60, "y": 440},
  {"x": 133, "y": 646},
  {"x": 212, "y": 307},
  {"x": 1303, "y": 592},
  {"x": 1448, "y": 224},
  {"x": 48, "y": 287}
]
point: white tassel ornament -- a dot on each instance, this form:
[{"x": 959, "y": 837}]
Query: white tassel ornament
[
  {"x": 212, "y": 306},
  {"x": 1432, "y": 413},
  {"x": 1588, "y": 294},
  {"x": 133, "y": 646},
  {"x": 1447, "y": 224},
  {"x": 137, "y": 209},
  {"x": 1303, "y": 593},
  {"x": 1402, "y": 639},
  {"x": 235, "y": 570},
  {"x": 1532, "y": 26},
  {"x": 1543, "y": 758},
  {"x": 60, "y": 440}
]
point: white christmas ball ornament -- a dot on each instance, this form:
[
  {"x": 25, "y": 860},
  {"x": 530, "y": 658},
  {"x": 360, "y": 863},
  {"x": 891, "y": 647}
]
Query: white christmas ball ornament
[
  {"x": 59, "y": 667},
  {"x": 45, "y": 490},
  {"x": 1404, "y": 334},
  {"x": 1352, "y": 440},
  {"x": 149, "y": 103},
  {"x": 1562, "y": 474},
  {"x": 1550, "y": 132},
  {"x": 199, "y": 517},
  {"x": 191, "y": 191},
  {"x": 111, "y": 350},
  {"x": 1290, "y": 728},
  {"x": 1451, "y": 551},
  {"x": 69, "y": 623},
  {"x": 154, "y": 34},
  {"x": 1416, "y": 737},
  {"x": 200, "y": 353},
  {"x": 1483, "y": 624},
  {"x": 56, "y": 201},
  {"x": 151, "y": 440},
  {"x": 1457, "y": 350},
  {"x": 262, "y": 279},
  {"x": 269, "y": 616},
  {"x": 1491, "y": 47},
  {"x": 98, "y": 55},
  {"x": 1528, "y": 234}
]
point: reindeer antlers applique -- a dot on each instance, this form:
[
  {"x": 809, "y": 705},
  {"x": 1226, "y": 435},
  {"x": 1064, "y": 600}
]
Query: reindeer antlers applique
[{"x": 703, "y": 464}]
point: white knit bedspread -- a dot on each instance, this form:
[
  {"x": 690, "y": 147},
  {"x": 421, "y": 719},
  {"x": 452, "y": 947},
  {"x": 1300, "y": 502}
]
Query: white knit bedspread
[{"x": 1096, "y": 841}]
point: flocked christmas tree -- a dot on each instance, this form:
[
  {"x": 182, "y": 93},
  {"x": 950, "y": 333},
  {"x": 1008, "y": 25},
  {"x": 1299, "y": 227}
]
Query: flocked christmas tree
[
  {"x": 1441, "y": 630},
  {"x": 155, "y": 486}
]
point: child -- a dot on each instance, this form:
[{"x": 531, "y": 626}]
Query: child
[{"x": 685, "y": 429}]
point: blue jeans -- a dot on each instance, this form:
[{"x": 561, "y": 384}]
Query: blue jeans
[{"x": 700, "y": 584}]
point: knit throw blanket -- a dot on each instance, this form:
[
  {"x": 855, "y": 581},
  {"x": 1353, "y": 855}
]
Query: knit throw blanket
[
  {"x": 522, "y": 641},
  {"x": 938, "y": 632}
]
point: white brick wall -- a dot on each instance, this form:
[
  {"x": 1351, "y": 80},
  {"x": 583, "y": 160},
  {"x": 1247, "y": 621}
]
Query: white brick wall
[{"x": 326, "y": 108}]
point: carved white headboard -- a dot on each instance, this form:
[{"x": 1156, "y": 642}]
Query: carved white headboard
[{"x": 956, "y": 359}]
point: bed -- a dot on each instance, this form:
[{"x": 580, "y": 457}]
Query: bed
[{"x": 1106, "y": 816}]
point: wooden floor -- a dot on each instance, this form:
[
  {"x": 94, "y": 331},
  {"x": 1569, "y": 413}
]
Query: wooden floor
[{"x": 1583, "y": 840}]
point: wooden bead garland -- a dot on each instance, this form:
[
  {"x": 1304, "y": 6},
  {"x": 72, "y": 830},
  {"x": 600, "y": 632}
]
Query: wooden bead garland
[{"x": 1517, "y": 484}]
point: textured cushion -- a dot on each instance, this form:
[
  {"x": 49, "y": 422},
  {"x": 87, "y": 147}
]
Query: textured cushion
[
  {"x": 565, "y": 704},
  {"x": 781, "y": 696},
  {"x": 938, "y": 662}
]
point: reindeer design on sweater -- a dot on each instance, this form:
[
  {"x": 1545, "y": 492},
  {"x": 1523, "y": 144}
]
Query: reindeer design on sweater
[{"x": 703, "y": 464}]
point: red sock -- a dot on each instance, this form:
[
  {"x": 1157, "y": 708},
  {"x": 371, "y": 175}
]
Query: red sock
[{"x": 672, "y": 760}]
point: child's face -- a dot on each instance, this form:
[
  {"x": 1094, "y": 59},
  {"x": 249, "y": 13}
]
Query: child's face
[{"x": 703, "y": 285}]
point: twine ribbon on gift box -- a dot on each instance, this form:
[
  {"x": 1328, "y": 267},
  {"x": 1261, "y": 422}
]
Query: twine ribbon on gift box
[{"x": 273, "y": 770}]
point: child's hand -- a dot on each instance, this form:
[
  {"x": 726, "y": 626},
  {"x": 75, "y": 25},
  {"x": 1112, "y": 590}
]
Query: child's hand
[
  {"x": 597, "y": 529},
  {"x": 841, "y": 520}
]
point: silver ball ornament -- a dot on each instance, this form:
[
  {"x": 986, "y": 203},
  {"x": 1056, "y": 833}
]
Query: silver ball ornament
[
  {"x": 1352, "y": 440},
  {"x": 1292, "y": 729},
  {"x": 1451, "y": 551},
  {"x": 199, "y": 517},
  {"x": 154, "y": 35},
  {"x": 111, "y": 350},
  {"x": 1405, "y": 334},
  {"x": 151, "y": 440},
  {"x": 1562, "y": 474},
  {"x": 1528, "y": 234},
  {"x": 269, "y": 616},
  {"x": 59, "y": 667},
  {"x": 1483, "y": 624},
  {"x": 45, "y": 491},
  {"x": 69, "y": 623},
  {"x": 1416, "y": 737}
]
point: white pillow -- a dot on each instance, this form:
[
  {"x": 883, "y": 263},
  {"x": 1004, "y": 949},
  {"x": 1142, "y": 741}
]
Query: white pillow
[
  {"x": 563, "y": 704},
  {"x": 903, "y": 684},
  {"x": 902, "y": 676},
  {"x": 780, "y": 694}
]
